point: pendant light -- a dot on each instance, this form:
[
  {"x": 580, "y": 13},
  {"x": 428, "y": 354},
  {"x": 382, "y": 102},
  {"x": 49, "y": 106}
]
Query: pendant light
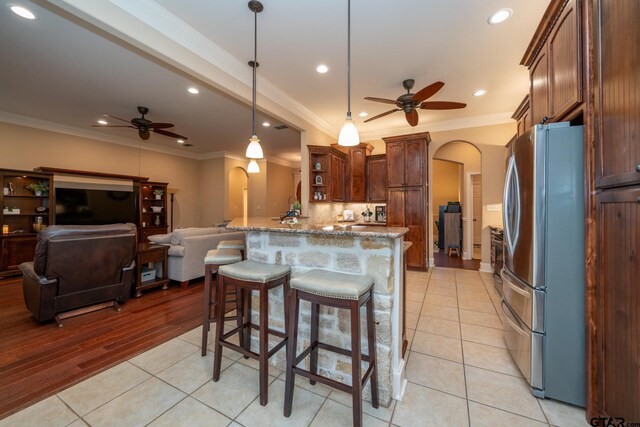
[
  {"x": 349, "y": 134},
  {"x": 254, "y": 150}
]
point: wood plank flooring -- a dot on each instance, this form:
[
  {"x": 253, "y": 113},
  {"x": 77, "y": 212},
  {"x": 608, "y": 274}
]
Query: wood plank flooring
[
  {"x": 444, "y": 260},
  {"x": 39, "y": 360}
]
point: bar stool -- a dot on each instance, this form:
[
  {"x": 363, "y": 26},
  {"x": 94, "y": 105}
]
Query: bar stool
[
  {"x": 339, "y": 290},
  {"x": 233, "y": 244},
  {"x": 249, "y": 276},
  {"x": 212, "y": 262}
]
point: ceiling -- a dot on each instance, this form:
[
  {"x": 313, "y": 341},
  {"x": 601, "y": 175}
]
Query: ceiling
[{"x": 79, "y": 59}]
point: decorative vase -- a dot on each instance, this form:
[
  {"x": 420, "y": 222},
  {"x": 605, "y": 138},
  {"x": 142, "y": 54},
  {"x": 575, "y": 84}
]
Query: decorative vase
[
  {"x": 158, "y": 197},
  {"x": 38, "y": 193}
]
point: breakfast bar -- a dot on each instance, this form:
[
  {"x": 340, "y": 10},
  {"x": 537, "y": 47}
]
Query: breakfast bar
[{"x": 375, "y": 251}]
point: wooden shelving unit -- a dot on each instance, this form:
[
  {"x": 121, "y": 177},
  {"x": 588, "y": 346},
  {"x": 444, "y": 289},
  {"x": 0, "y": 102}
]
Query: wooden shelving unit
[{"x": 153, "y": 209}]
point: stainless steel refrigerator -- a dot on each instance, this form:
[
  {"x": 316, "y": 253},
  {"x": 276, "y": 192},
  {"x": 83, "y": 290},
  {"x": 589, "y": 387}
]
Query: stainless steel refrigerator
[{"x": 543, "y": 273}]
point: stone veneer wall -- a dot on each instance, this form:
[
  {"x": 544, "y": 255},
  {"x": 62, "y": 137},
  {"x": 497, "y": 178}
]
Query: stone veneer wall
[{"x": 348, "y": 254}]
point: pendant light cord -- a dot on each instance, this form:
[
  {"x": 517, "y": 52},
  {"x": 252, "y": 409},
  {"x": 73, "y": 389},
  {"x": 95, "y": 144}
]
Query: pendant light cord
[
  {"x": 349, "y": 58},
  {"x": 255, "y": 65}
]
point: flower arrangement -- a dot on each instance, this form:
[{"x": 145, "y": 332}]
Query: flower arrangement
[{"x": 158, "y": 192}]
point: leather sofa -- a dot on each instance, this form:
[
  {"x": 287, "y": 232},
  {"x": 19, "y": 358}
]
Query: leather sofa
[
  {"x": 189, "y": 246},
  {"x": 77, "y": 266}
]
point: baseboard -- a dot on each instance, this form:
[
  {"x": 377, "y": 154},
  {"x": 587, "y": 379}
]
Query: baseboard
[
  {"x": 432, "y": 262},
  {"x": 465, "y": 255},
  {"x": 485, "y": 267}
]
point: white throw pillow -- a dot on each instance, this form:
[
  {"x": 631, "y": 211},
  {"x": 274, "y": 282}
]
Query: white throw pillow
[{"x": 181, "y": 233}]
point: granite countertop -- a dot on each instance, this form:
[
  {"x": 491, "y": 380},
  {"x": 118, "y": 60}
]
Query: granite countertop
[{"x": 266, "y": 224}]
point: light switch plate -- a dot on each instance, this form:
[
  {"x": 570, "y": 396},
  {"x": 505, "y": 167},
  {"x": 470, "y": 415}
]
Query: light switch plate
[{"x": 494, "y": 208}]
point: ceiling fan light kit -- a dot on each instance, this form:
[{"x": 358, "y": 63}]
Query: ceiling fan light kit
[
  {"x": 254, "y": 149},
  {"x": 349, "y": 133}
]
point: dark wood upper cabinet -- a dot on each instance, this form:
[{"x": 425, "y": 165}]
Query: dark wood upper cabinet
[
  {"x": 522, "y": 116},
  {"x": 338, "y": 172},
  {"x": 356, "y": 170},
  {"x": 539, "y": 82},
  {"x": 617, "y": 93},
  {"x": 395, "y": 164},
  {"x": 415, "y": 162},
  {"x": 555, "y": 62},
  {"x": 377, "y": 178},
  {"x": 565, "y": 64}
]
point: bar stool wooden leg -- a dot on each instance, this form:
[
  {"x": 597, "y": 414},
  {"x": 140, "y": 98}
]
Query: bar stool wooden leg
[
  {"x": 315, "y": 324},
  {"x": 246, "y": 299},
  {"x": 371, "y": 334},
  {"x": 292, "y": 349},
  {"x": 217, "y": 358},
  {"x": 240, "y": 313},
  {"x": 206, "y": 309},
  {"x": 356, "y": 379},
  {"x": 264, "y": 346}
]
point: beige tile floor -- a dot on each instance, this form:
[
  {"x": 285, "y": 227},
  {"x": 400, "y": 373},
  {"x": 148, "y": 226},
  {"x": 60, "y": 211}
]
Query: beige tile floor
[{"x": 459, "y": 373}]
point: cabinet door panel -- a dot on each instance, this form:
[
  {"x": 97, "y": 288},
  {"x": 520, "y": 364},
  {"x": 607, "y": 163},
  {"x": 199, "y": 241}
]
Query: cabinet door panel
[
  {"x": 395, "y": 207},
  {"x": 564, "y": 63},
  {"x": 619, "y": 299},
  {"x": 16, "y": 250},
  {"x": 539, "y": 88},
  {"x": 376, "y": 178},
  {"x": 617, "y": 97},
  {"x": 395, "y": 164},
  {"x": 414, "y": 162},
  {"x": 414, "y": 219},
  {"x": 338, "y": 170},
  {"x": 416, "y": 254},
  {"x": 357, "y": 175}
]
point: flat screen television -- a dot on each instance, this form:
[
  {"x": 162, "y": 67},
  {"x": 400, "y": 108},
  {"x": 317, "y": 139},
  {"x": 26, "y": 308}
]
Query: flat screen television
[{"x": 75, "y": 206}]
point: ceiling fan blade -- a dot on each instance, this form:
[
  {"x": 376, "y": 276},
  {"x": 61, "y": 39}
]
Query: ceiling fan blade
[
  {"x": 427, "y": 92},
  {"x": 412, "y": 118},
  {"x": 386, "y": 113},
  {"x": 160, "y": 125},
  {"x": 117, "y": 118},
  {"x": 442, "y": 105},
  {"x": 169, "y": 134},
  {"x": 112, "y": 126},
  {"x": 383, "y": 100}
]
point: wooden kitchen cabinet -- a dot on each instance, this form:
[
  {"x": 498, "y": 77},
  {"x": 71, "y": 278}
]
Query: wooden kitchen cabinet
[
  {"x": 554, "y": 60},
  {"x": 407, "y": 193},
  {"x": 338, "y": 173},
  {"x": 355, "y": 171},
  {"x": 618, "y": 273},
  {"x": 522, "y": 116},
  {"x": 613, "y": 225},
  {"x": 376, "y": 178}
]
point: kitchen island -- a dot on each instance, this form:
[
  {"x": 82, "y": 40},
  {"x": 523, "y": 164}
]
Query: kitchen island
[{"x": 376, "y": 251}]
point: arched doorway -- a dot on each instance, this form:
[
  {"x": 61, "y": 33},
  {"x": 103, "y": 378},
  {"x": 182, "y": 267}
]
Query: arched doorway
[
  {"x": 457, "y": 188},
  {"x": 237, "y": 193}
]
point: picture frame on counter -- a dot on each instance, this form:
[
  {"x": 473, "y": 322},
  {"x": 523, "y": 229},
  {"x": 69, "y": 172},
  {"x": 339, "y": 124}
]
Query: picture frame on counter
[{"x": 381, "y": 214}]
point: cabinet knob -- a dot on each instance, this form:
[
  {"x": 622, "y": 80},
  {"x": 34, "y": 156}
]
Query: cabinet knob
[{"x": 638, "y": 168}]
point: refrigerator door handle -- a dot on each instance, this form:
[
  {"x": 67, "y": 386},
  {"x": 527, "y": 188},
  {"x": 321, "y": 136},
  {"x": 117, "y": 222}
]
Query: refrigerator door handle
[
  {"x": 508, "y": 316},
  {"x": 511, "y": 235},
  {"x": 511, "y": 282}
]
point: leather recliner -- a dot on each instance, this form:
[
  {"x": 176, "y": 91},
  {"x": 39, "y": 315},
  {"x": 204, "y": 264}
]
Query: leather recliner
[{"x": 77, "y": 266}]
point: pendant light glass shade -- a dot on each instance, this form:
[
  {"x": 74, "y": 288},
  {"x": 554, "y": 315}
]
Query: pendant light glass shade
[
  {"x": 349, "y": 133},
  {"x": 254, "y": 149},
  {"x": 253, "y": 167}
]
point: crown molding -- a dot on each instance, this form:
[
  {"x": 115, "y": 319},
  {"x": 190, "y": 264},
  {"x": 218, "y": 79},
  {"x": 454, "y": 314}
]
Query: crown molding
[{"x": 464, "y": 123}]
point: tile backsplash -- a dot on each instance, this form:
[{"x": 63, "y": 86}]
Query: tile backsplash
[{"x": 327, "y": 213}]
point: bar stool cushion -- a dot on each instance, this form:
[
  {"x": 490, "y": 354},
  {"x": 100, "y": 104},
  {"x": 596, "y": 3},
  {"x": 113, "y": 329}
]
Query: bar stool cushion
[
  {"x": 231, "y": 244},
  {"x": 331, "y": 284},
  {"x": 222, "y": 256},
  {"x": 254, "y": 271}
]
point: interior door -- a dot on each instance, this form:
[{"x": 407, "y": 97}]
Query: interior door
[{"x": 477, "y": 210}]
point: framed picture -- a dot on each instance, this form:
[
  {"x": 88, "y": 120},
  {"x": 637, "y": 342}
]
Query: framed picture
[
  {"x": 318, "y": 179},
  {"x": 381, "y": 214}
]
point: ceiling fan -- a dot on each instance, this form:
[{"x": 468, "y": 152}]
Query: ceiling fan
[
  {"x": 409, "y": 102},
  {"x": 144, "y": 126}
]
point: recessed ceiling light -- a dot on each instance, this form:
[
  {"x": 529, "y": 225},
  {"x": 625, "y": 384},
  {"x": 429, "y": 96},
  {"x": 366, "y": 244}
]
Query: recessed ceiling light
[
  {"x": 500, "y": 16},
  {"x": 363, "y": 114},
  {"x": 479, "y": 92},
  {"x": 266, "y": 124},
  {"x": 181, "y": 141},
  {"x": 21, "y": 11},
  {"x": 193, "y": 90},
  {"x": 322, "y": 68},
  {"x": 103, "y": 122}
]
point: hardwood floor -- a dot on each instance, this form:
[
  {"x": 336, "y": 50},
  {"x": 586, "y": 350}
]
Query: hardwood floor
[
  {"x": 444, "y": 260},
  {"x": 38, "y": 360}
]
